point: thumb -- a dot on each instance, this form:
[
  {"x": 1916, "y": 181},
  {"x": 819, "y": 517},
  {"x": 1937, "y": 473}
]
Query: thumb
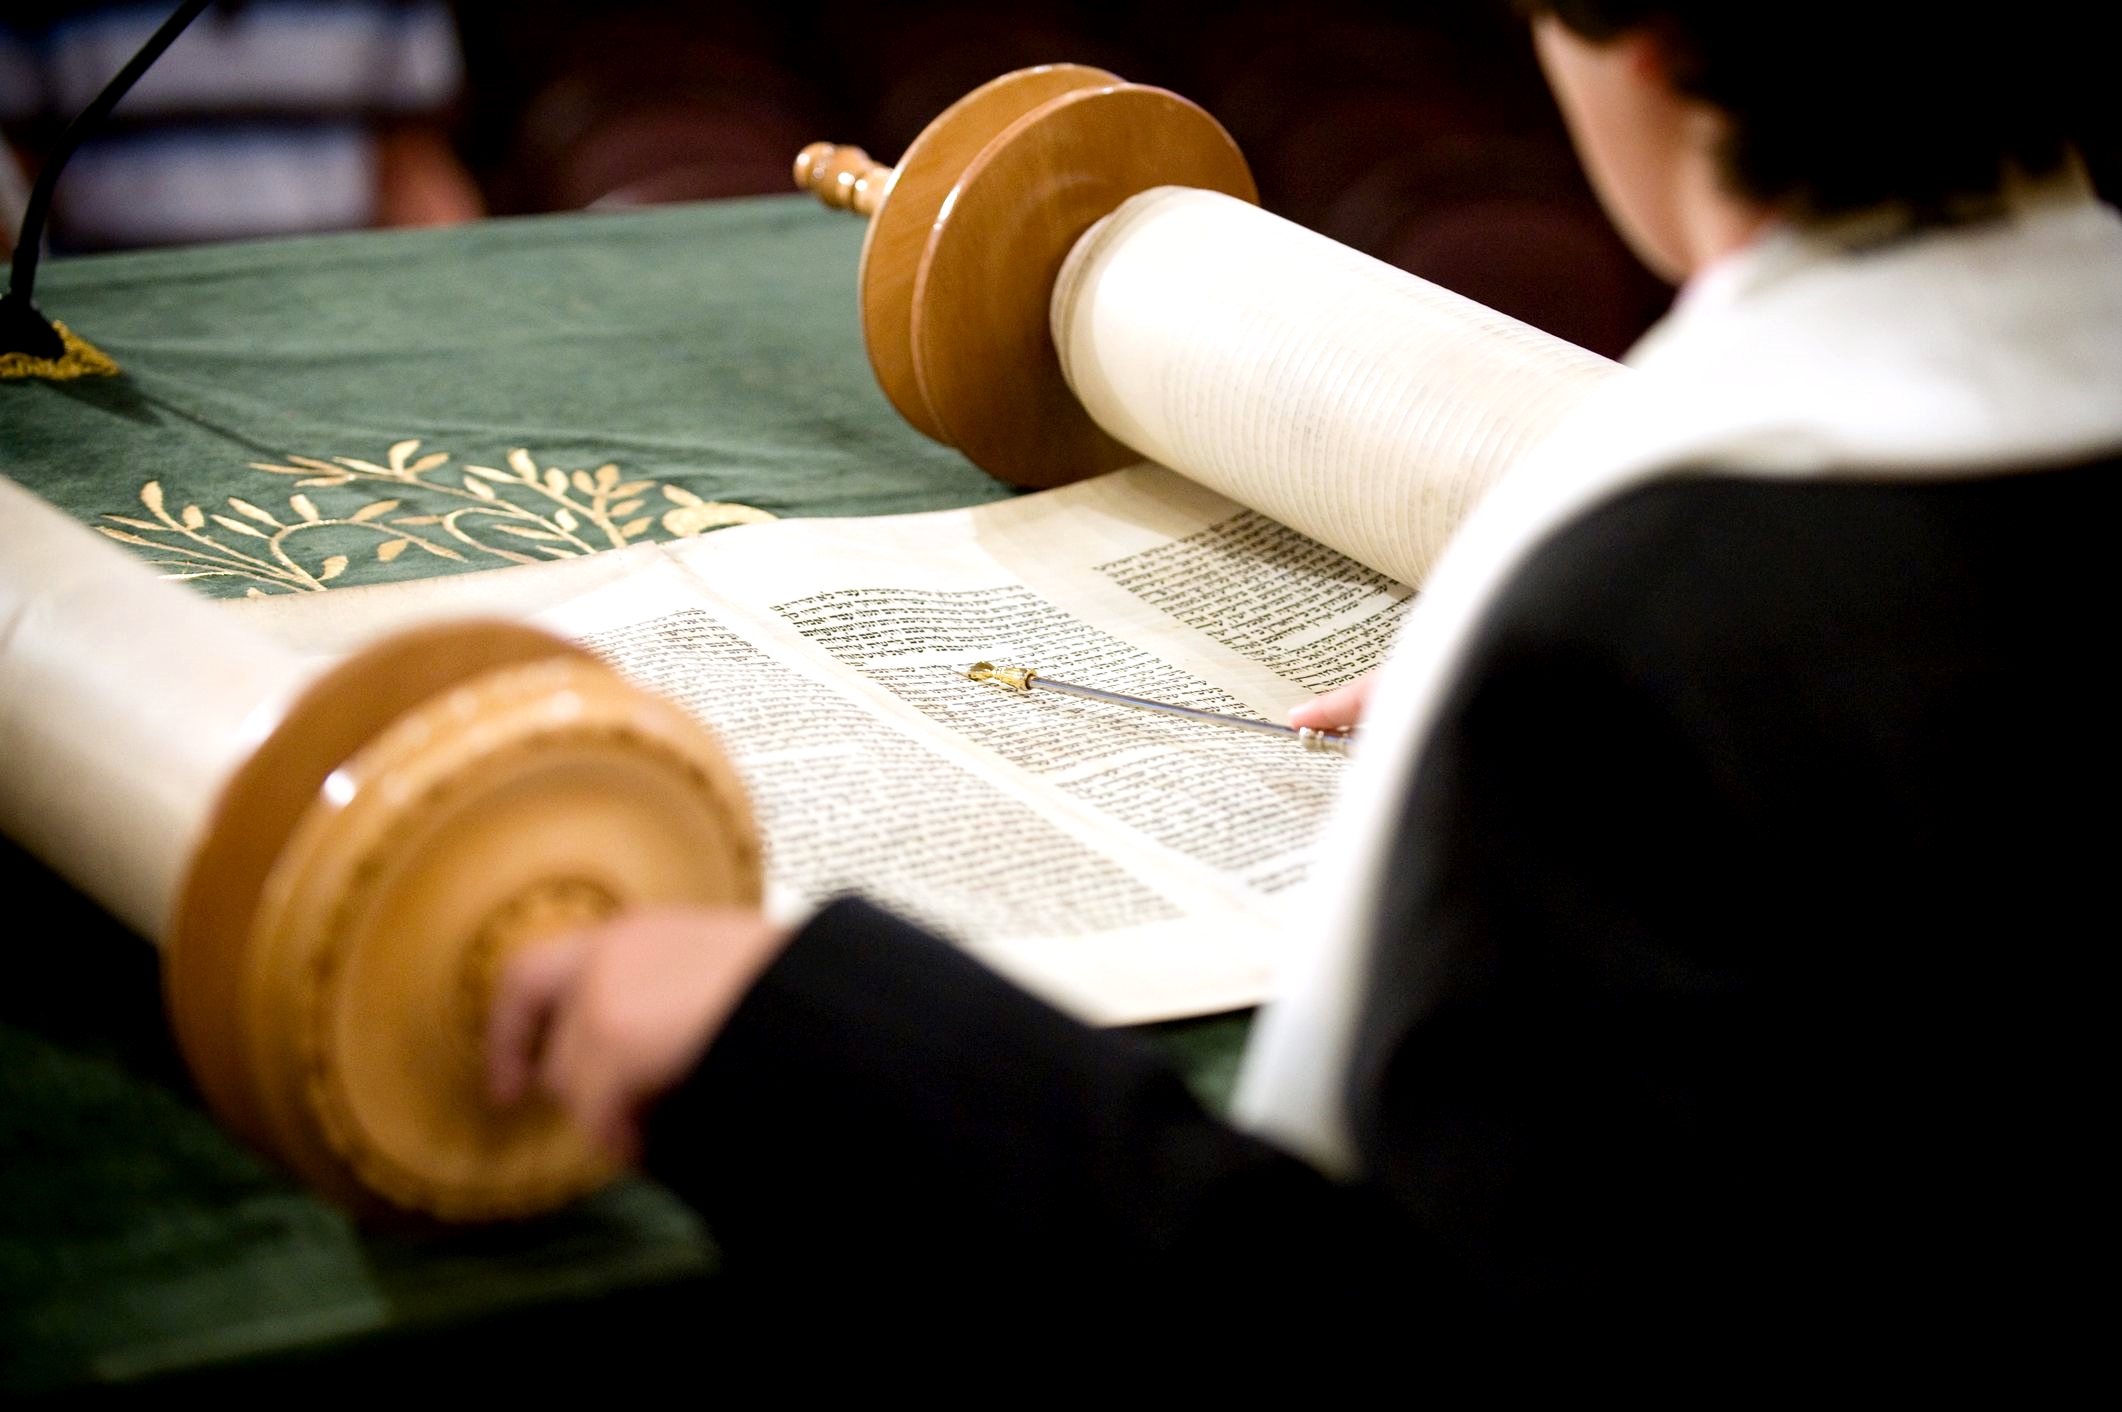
[
  {"x": 533, "y": 985},
  {"x": 1338, "y": 709}
]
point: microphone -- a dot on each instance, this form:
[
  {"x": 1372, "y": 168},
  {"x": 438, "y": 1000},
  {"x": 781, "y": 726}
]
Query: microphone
[{"x": 23, "y": 329}]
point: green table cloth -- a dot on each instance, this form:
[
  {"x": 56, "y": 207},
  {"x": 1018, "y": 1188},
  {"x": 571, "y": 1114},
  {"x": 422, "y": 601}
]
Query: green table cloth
[{"x": 303, "y": 415}]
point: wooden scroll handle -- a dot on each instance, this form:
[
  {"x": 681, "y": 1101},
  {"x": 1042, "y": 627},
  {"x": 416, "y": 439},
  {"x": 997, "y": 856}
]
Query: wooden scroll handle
[
  {"x": 968, "y": 233},
  {"x": 426, "y": 809},
  {"x": 844, "y": 178}
]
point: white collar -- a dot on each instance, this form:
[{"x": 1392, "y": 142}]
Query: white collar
[{"x": 1945, "y": 351}]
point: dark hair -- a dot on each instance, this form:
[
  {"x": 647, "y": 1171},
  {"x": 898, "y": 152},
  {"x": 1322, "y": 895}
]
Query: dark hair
[{"x": 1840, "y": 107}]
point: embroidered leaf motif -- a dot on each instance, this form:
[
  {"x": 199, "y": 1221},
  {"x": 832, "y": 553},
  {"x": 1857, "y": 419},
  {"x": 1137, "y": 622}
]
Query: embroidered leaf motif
[
  {"x": 702, "y": 515},
  {"x": 551, "y": 512}
]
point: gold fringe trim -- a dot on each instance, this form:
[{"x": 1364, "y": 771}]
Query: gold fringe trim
[{"x": 82, "y": 359}]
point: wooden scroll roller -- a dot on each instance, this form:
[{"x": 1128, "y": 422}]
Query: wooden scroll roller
[
  {"x": 967, "y": 236},
  {"x": 1067, "y": 273},
  {"x": 338, "y": 858}
]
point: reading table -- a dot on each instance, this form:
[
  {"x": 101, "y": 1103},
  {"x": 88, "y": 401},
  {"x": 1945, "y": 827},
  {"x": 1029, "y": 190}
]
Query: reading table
[{"x": 619, "y": 377}]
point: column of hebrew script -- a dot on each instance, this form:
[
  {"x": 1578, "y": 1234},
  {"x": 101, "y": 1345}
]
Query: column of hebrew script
[
  {"x": 1310, "y": 615},
  {"x": 847, "y": 802},
  {"x": 1241, "y": 804}
]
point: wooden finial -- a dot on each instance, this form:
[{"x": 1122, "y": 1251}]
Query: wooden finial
[
  {"x": 908, "y": 204},
  {"x": 968, "y": 232},
  {"x": 844, "y": 178}
]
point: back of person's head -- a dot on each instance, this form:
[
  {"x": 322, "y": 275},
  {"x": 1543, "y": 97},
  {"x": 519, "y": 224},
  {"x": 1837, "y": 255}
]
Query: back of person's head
[{"x": 1839, "y": 107}]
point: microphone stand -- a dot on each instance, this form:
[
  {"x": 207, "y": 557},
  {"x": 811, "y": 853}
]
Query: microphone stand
[{"x": 22, "y": 328}]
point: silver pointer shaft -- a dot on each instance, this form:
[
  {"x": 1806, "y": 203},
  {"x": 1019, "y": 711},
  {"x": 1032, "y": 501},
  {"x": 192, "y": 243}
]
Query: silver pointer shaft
[{"x": 1028, "y": 679}]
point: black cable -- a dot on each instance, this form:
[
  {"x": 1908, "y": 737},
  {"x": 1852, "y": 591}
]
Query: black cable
[{"x": 22, "y": 328}]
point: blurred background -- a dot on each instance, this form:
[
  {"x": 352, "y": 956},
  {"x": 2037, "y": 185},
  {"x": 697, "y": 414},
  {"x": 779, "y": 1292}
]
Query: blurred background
[{"x": 1417, "y": 132}]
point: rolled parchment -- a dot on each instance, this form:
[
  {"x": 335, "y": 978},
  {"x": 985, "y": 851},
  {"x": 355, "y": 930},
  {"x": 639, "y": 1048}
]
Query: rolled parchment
[
  {"x": 125, "y": 706},
  {"x": 1348, "y": 399}
]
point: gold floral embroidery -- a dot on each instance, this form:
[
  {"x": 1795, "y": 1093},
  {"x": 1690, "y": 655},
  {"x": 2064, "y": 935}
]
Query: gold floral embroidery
[
  {"x": 81, "y": 359},
  {"x": 521, "y": 515}
]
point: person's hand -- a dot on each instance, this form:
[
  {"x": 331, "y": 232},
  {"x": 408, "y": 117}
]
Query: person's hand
[
  {"x": 1336, "y": 710},
  {"x": 606, "y": 1020}
]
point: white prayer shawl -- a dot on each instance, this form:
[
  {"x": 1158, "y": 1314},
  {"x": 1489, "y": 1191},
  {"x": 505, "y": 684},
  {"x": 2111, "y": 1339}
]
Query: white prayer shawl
[{"x": 1947, "y": 354}]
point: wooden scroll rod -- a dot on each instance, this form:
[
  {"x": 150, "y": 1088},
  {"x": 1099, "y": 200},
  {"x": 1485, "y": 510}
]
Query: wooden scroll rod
[{"x": 968, "y": 234}]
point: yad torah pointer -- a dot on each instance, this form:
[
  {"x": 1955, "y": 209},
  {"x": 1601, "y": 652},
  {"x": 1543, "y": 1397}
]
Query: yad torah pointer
[{"x": 1027, "y": 679}]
